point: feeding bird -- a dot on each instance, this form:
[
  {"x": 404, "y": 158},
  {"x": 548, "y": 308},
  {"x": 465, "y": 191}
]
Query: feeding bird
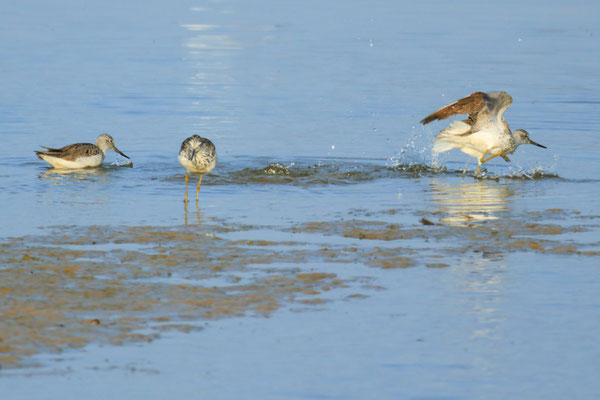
[
  {"x": 197, "y": 155},
  {"x": 79, "y": 155},
  {"x": 483, "y": 132}
]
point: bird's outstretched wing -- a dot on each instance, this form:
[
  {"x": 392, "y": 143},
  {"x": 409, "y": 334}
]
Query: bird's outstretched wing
[
  {"x": 478, "y": 105},
  {"x": 496, "y": 103},
  {"x": 472, "y": 104}
]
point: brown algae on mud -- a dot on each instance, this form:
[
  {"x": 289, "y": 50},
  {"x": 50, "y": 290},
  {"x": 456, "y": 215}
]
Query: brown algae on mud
[
  {"x": 486, "y": 235},
  {"x": 54, "y": 296},
  {"x": 76, "y": 285}
]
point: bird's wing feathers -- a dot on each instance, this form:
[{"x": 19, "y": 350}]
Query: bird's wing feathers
[
  {"x": 477, "y": 105},
  {"x": 497, "y": 103},
  {"x": 458, "y": 128},
  {"x": 72, "y": 152},
  {"x": 471, "y": 104}
]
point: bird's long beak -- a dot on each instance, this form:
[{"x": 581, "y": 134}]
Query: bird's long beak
[
  {"x": 119, "y": 151},
  {"x": 537, "y": 144}
]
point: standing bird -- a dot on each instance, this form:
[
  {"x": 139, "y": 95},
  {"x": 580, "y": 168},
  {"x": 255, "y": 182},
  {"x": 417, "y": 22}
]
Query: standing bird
[
  {"x": 483, "y": 132},
  {"x": 79, "y": 155},
  {"x": 197, "y": 155}
]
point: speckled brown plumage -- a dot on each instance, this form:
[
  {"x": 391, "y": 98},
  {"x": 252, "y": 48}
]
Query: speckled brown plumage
[{"x": 71, "y": 152}]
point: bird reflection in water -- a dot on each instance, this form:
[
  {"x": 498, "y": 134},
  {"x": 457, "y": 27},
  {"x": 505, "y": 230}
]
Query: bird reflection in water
[
  {"x": 478, "y": 276},
  {"x": 73, "y": 174},
  {"x": 197, "y": 214},
  {"x": 471, "y": 202}
]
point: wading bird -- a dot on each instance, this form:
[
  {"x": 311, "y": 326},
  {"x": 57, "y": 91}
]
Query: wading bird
[
  {"x": 484, "y": 132},
  {"x": 197, "y": 155},
  {"x": 79, "y": 155}
]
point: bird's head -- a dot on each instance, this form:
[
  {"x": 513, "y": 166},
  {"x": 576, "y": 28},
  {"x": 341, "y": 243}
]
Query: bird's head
[
  {"x": 106, "y": 142},
  {"x": 521, "y": 136}
]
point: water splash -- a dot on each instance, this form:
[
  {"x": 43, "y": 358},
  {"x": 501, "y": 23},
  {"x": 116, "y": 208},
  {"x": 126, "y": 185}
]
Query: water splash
[
  {"x": 276, "y": 169},
  {"x": 416, "y": 154},
  {"x": 538, "y": 172},
  {"x": 344, "y": 172}
]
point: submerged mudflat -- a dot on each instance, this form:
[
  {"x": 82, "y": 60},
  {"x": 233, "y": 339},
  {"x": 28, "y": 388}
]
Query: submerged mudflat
[{"x": 73, "y": 285}]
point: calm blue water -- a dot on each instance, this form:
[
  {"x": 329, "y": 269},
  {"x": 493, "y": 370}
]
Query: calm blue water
[{"x": 332, "y": 88}]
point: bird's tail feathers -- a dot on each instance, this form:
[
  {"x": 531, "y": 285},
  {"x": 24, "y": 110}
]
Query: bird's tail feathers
[
  {"x": 49, "y": 152},
  {"x": 444, "y": 142}
]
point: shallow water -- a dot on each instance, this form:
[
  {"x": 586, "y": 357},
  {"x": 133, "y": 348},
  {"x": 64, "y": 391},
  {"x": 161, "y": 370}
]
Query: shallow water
[{"x": 329, "y": 250}]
